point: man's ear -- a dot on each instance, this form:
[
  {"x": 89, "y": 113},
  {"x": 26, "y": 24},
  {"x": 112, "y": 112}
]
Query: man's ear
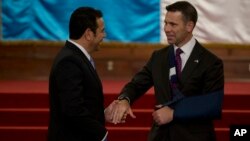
[
  {"x": 190, "y": 26},
  {"x": 88, "y": 34}
]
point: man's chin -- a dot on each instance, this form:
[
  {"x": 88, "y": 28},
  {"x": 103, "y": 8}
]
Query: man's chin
[{"x": 171, "y": 42}]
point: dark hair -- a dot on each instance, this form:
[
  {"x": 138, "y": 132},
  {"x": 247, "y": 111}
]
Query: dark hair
[
  {"x": 188, "y": 11},
  {"x": 81, "y": 19}
]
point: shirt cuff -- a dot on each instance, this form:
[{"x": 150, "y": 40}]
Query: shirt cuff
[
  {"x": 124, "y": 98},
  {"x": 105, "y": 137}
]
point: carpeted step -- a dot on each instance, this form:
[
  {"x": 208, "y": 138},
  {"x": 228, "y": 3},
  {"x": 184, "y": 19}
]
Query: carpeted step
[
  {"x": 40, "y": 117},
  {"x": 230, "y": 101},
  {"x": 23, "y": 133},
  {"x": 34, "y": 94},
  {"x": 39, "y": 133},
  {"x": 140, "y": 134},
  {"x": 24, "y": 117},
  {"x": 40, "y": 100},
  {"x": 24, "y": 111},
  {"x": 24, "y": 100}
]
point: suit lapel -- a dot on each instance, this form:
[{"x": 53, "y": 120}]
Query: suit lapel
[
  {"x": 85, "y": 61},
  {"x": 192, "y": 62}
]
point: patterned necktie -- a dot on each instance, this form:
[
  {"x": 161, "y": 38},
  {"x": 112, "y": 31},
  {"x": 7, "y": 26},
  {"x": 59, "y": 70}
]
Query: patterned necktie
[
  {"x": 92, "y": 62},
  {"x": 178, "y": 62}
]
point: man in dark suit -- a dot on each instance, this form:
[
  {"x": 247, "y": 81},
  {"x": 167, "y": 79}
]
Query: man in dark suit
[
  {"x": 188, "y": 83},
  {"x": 75, "y": 90}
]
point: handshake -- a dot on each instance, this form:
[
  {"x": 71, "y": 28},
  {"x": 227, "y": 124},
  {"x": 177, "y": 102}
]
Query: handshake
[{"x": 117, "y": 111}]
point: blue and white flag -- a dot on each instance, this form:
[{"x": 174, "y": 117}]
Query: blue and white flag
[
  {"x": 220, "y": 21},
  {"x": 125, "y": 20}
]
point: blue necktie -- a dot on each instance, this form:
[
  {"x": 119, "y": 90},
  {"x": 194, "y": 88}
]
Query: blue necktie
[{"x": 92, "y": 62}]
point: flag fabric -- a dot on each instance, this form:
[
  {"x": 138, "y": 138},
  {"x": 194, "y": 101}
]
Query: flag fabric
[
  {"x": 125, "y": 20},
  {"x": 220, "y": 21}
]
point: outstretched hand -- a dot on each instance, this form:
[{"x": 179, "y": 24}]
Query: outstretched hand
[
  {"x": 117, "y": 111},
  {"x": 108, "y": 112},
  {"x": 121, "y": 110}
]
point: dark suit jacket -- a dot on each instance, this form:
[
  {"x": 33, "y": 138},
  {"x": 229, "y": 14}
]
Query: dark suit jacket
[
  {"x": 76, "y": 98},
  {"x": 198, "y": 78}
]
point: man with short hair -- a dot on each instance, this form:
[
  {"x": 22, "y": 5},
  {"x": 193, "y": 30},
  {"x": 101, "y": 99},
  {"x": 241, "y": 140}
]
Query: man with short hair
[
  {"x": 188, "y": 81},
  {"x": 75, "y": 90}
]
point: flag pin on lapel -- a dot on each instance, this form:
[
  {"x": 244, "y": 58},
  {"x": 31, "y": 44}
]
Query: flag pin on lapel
[{"x": 196, "y": 61}]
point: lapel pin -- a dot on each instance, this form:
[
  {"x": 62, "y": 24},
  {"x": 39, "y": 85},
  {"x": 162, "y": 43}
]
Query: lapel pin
[{"x": 196, "y": 61}]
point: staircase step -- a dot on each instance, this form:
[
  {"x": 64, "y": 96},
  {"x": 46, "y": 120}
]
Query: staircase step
[
  {"x": 229, "y": 117},
  {"x": 231, "y": 101},
  {"x": 23, "y": 133},
  {"x": 24, "y": 117},
  {"x": 40, "y": 100},
  {"x": 24, "y": 111},
  {"x": 39, "y": 133},
  {"x": 40, "y": 117},
  {"x": 140, "y": 134},
  {"x": 128, "y": 133},
  {"x": 34, "y": 94},
  {"x": 236, "y": 101},
  {"x": 24, "y": 100},
  {"x": 233, "y": 117}
]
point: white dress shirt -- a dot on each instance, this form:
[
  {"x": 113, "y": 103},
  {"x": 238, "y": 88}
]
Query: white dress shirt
[{"x": 187, "y": 49}]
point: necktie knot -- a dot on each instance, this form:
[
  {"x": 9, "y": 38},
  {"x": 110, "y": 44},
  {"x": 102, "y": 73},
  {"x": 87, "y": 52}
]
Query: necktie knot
[{"x": 178, "y": 51}]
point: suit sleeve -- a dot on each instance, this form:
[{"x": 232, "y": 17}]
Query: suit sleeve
[
  {"x": 207, "y": 105},
  {"x": 140, "y": 83},
  {"x": 69, "y": 79}
]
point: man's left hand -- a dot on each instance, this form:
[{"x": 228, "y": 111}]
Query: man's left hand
[{"x": 163, "y": 115}]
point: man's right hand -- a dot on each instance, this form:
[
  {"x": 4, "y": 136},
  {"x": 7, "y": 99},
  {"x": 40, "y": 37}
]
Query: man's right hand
[
  {"x": 120, "y": 112},
  {"x": 108, "y": 112}
]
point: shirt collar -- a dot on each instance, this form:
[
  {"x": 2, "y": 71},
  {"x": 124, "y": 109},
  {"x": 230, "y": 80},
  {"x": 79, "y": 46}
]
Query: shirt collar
[
  {"x": 81, "y": 48},
  {"x": 188, "y": 47}
]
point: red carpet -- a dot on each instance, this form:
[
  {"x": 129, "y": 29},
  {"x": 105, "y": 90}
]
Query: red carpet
[{"x": 24, "y": 111}]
